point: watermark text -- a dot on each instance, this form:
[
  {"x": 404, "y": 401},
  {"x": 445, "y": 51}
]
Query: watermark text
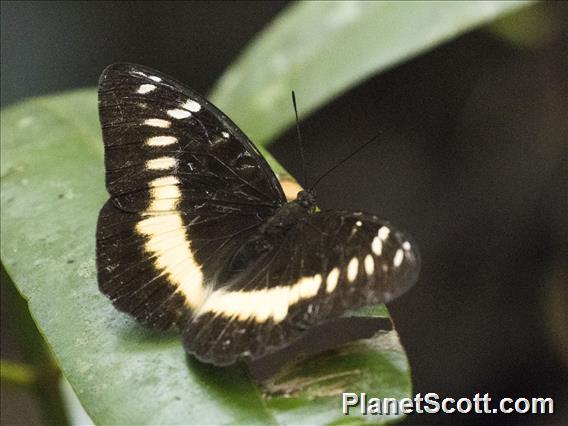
[{"x": 432, "y": 403}]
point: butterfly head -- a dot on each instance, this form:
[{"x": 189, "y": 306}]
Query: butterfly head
[{"x": 307, "y": 199}]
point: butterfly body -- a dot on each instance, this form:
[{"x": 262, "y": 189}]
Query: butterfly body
[{"x": 197, "y": 233}]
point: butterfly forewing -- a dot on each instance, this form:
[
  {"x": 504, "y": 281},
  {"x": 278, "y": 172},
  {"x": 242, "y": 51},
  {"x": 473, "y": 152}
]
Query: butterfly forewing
[
  {"x": 154, "y": 127},
  {"x": 197, "y": 232},
  {"x": 185, "y": 185}
]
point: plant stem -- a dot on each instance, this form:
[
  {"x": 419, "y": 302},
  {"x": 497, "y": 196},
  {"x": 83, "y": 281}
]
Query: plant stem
[
  {"x": 17, "y": 374},
  {"x": 41, "y": 374}
]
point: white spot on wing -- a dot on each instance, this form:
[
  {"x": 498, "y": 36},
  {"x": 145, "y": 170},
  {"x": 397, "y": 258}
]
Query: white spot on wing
[
  {"x": 168, "y": 244},
  {"x": 279, "y": 312},
  {"x": 164, "y": 197},
  {"x": 146, "y": 88},
  {"x": 191, "y": 105},
  {"x": 161, "y": 163},
  {"x": 166, "y": 180},
  {"x": 369, "y": 264},
  {"x": 225, "y": 134},
  {"x": 399, "y": 255},
  {"x": 169, "y": 192},
  {"x": 309, "y": 286},
  {"x": 261, "y": 305},
  {"x": 383, "y": 233},
  {"x": 155, "y": 78},
  {"x": 352, "y": 269},
  {"x": 165, "y": 194},
  {"x": 377, "y": 246},
  {"x": 331, "y": 280},
  {"x": 179, "y": 113},
  {"x": 359, "y": 223},
  {"x": 406, "y": 245},
  {"x": 172, "y": 254},
  {"x": 157, "y": 122},
  {"x": 161, "y": 140}
]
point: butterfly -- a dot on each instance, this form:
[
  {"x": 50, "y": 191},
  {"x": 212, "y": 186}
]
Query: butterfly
[{"x": 198, "y": 234}]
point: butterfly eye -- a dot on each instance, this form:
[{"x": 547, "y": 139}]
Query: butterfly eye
[{"x": 306, "y": 199}]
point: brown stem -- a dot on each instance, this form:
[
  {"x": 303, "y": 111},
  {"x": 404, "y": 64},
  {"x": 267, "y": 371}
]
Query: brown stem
[{"x": 36, "y": 353}]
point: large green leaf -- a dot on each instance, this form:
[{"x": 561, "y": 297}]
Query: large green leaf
[
  {"x": 52, "y": 189},
  {"x": 320, "y": 49}
]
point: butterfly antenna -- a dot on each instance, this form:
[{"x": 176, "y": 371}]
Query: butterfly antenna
[
  {"x": 318, "y": 180},
  {"x": 300, "y": 144}
]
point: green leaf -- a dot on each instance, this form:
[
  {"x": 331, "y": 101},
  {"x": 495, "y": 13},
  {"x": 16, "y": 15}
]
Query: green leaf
[
  {"x": 530, "y": 28},
  {"x": 52, "y": 187},
  {"x": 321, "y": 49},
  {"x": 17, "y": 374}
]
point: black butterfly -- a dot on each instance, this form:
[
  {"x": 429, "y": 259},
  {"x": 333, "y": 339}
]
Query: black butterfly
[{"x": 198, "y": 234}]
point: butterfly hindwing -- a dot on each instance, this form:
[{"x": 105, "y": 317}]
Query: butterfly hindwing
[
  {"x": 329, "y": 263},
  {"x": 184, "y": 183}
]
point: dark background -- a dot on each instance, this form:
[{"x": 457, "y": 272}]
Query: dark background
[{"x": 471, "y": 161}]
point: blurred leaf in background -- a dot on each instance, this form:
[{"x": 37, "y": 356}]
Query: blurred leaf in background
[{"x": 52, "y": 190}]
